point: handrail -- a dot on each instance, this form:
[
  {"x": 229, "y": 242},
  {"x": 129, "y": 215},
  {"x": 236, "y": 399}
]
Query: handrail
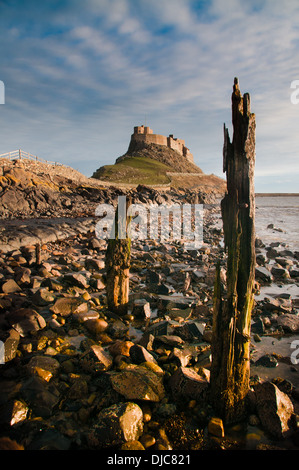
[{"x": 21, "y": 154}]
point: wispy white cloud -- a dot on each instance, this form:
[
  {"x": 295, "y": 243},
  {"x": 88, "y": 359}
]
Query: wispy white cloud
[{"x": 83, "y": 76}]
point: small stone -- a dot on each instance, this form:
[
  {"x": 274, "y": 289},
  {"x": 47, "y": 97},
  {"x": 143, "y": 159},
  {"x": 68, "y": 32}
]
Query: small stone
[
  {"x": 43, "y": 297},
  {"x": 147, "y": 440},
  {"x": 141, "y": 308},
  {"x": 185, "y": 383},
  {"x": 96, "y": 359},
  {"x": 67, "y": 305},
  {"x": 132, "y": 445},
  {"x": 13, "y": 412},
  {"x": 289, "y": 322},
  {"x": 96, "y": 325},
  {"x": 10, "y": 287},
  {"x": 215, "y": 427},
  {"x": 121, "y": 348},
  {"x": 268, "y": 360}
]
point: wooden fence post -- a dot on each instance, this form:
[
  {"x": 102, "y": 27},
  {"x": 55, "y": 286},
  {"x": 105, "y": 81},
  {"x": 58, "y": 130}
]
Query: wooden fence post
[
  {"x": 232, "y": 309},
  {"x": 117, "y": 260}
]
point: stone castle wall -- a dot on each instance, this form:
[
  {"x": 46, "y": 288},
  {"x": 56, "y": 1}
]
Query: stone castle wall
[{"x": 145, "y": 134}]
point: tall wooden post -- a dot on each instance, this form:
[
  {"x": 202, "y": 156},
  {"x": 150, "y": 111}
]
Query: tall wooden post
[
  {"x": 118, "y": 262},
  {"x": 232, "y": 309}
]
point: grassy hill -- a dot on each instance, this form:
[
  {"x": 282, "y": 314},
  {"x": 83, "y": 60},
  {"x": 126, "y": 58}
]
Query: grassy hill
[
  {"x": 135, "y": 170},
  {"x": 154, "y": 165}
]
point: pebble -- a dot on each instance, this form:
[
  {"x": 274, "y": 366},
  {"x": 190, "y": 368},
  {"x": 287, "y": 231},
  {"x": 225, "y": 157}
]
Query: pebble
[{"x": 81, "y": 360}]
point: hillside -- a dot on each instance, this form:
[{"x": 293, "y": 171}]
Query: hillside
[
  {"x": 154, "y": 165},
  {"x": 33, "y": 189}
]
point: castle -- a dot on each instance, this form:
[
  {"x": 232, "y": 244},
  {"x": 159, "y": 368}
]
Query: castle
[{"x": 145, "y": 134}]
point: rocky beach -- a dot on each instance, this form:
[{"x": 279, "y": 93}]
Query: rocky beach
[{"x": 76, "y": 376}]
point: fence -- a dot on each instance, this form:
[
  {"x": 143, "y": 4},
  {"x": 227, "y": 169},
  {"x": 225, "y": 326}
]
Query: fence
[{"x": 20, "y": 154}]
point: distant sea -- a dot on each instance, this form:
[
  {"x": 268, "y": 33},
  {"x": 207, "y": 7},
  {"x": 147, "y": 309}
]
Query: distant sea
[{"x": 283, "y": 212}]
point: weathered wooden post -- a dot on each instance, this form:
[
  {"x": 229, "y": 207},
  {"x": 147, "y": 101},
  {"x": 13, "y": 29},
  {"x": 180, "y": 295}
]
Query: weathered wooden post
[
  {"x": 232, "y": 309},
  {"x": 118, "y": 255}
]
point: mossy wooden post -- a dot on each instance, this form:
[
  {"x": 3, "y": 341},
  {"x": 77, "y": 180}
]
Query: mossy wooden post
[
  {"x": 232, "y": 309},
  {"x": 118, "y": 262}
]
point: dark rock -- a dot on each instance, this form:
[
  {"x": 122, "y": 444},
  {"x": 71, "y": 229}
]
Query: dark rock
[
  {"x": 141, "y": 308},
  {"x": 116, "y": 425},
  {"x": 25, "y": 320},
  {"x": 96, "y": 360},
  {"x": 274, "y": 409},
  {"x": 76, "y": 279},
  {"x": 41, "y": 397},
  {"x": 65, "y": 306},
  {"x": 268, "y": 360},
  {"x": 289, "y": 322},
  {"x": 280, "y": 272},
  {"x": 139, "y": 354},
  {"x": 50, "y": 439},
  {"x": 139, "y": 383},
  {"x": 10, "y": 340},
  {"x": 13, "y": 412},
  {"x": 92, "y": 264},
  {"x": 263, "y": 274},
  {"x": 258, "y": 327},
  {"x": 191, "y": 331},
  {"x": 43, "y": 297},
  {"x": 186, "y": 384}
]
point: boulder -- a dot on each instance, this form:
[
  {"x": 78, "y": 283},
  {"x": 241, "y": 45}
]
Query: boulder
[
  {"x": 41, "y": 396},
  {"x": 289, "y": 322},
  {"x": 141, "y": 308},
  {"x": 13, "y": 412},
  {"x": 274, "y": 409},
  {"x": 96, "y": 359},
  {"x": 186, "y": 384},
  {"x": 263, "y": 274},
  {"x": 25, "y": 320},
  {"x": 43, "y": 366},
  {"x": 138, "y": 383},
  {"x": 67, "y": 305},
  {"x": 10, "y": 287},
  {"x": 76, "y": 280},
  {"x": 116, "y": 425},
  {"x": 139, "y": 354}
]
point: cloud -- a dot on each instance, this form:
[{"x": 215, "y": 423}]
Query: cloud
[{"x": 83, "y": 76}]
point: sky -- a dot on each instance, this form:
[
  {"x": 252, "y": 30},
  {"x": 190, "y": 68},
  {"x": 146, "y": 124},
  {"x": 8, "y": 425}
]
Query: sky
[{"x": 79, "y": 75}]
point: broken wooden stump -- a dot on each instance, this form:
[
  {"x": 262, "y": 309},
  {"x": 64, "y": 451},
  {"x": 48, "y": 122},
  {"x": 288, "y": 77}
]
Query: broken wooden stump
[
  {"x": 118, "y": 262},
  {"x": 232, "y": 312}
]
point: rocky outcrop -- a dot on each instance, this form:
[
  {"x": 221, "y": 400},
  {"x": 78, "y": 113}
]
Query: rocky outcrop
[{"x": 34, "y": 189}]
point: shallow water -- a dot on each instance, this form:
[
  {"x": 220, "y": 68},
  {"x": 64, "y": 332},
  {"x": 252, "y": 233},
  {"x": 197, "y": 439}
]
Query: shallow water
[{"x": 283, "y": 213}]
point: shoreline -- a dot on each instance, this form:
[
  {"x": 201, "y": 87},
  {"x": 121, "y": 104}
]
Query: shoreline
[
  {"x": 276, "y": 194},
  {"x": 70, "y": 359}
]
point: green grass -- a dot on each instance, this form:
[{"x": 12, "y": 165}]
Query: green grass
[{"x": 132, "y": 170}]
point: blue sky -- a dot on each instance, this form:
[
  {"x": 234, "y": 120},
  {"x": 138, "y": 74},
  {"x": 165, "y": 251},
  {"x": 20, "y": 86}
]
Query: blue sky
[{"x": 79, "y": 75}]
